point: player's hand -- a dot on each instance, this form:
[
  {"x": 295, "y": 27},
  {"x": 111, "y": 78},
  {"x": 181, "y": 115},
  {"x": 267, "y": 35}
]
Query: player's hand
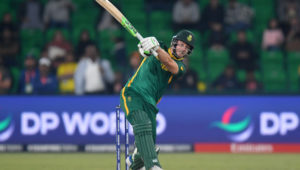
[
  {"x": 149, "y": 43},
  {"x": 142, "y": 52}
]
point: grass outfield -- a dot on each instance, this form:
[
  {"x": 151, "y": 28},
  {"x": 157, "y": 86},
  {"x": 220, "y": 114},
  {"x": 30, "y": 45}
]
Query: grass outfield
[{"x": 178, "y": 161}]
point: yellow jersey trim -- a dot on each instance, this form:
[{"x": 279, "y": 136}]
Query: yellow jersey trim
[
  {"x": 158, "y": 101},
  {"x": 129, "y": 84},
  {"x": 170, "y": 79},
  {"x": 124, "y": 99}
]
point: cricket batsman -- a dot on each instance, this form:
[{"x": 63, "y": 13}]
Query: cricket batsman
[{"x": 144, "y": 90}]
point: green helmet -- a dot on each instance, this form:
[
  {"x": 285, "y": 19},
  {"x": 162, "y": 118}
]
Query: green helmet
[{"x": 185, "y": 36}]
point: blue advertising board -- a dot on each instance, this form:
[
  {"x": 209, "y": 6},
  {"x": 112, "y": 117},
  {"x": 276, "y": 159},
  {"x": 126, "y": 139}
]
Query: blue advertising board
[{"x": 181, "y": 119}]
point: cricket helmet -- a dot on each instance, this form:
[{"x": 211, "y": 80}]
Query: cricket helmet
[{"x": 185, "y": 36}]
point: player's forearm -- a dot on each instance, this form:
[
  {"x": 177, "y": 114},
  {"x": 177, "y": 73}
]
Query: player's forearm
[{"x": 165, "y": 59}]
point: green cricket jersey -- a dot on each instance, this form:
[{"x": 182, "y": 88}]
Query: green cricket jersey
[{"x": 152, "y": 78}]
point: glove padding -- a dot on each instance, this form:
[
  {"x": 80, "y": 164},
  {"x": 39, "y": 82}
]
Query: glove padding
[
  {"x": 149, "y": 43},
  {"x": 142, "y": 52}
]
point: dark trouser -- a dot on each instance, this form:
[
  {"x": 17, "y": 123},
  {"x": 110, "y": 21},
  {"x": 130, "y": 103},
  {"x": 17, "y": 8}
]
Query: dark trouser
[{"x": 142, "y": 117}]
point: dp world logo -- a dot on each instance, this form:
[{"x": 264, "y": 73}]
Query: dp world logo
[
  {"x": 6, "y": 128},
  {"x": 238, "y": 131}
]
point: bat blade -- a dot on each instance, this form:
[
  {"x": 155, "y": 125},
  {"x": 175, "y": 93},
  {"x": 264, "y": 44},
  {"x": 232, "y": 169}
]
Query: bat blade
[{"x": 119, "y": 17}]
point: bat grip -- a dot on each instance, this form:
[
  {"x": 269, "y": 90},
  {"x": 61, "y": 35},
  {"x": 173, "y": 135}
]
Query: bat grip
[
  {"x": 154, "y": 53},
  {"x": 139, "y": 37}
]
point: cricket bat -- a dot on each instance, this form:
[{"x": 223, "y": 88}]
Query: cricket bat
[{"x": 108, "y": 6}]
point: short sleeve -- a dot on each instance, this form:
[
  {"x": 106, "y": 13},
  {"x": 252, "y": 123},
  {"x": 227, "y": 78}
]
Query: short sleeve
[{"x": 181, "y": 67}]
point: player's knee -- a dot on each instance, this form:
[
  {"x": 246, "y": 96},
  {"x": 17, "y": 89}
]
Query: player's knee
[
  {"x": 142, "y": 128},
  {"x": 141, "y": 123},
  {"x": 139, "y": 116}
]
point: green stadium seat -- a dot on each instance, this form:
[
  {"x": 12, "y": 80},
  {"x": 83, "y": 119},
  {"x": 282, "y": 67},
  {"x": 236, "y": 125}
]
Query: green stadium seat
[
  {"x": 241, "y": 75},
  {"x": 165, "y": 36},
  {"x": 262, "y": 3},
  {"x": 197, "y": 55},
  {"x": 86, "y": 5},
  {"x": 271, "y": 66},
  {"x": 4, "y": 7},
  {"x": 220, "y": 56},
  {"x": 196, "y": 63},
  {"x": 216, "y": 62},
  {"x": 132, "y": 16},
  {"x": 293, "y": 71},
  {"x": 106, "y": 42},
  {"x": 133, "y": 5},
  {"x": 32, "y": 43},
  {"x": 203, "y": 3},
  {"x": 33, "y": 37},
  {"x": 78, "y": 18},
  {"x": 274, "y": 80},
  {"x": 294, "y": 86},
  {"x": 15, "y": 73},
  {"x": 160, "y": 20},
  {"x": 36, "y": 51},
  {"x": 293, "y": 58},
  {"x": 81, "y": 19},
  {"x": 138, "y": 21},
  {"x": 201, "y": 72},
  {"x": 198, "y": 38},
  {"x": 215, "y": 70},
  {"x": 142, "y": 28},
  {"x": 264, "y": 10},
  {"x": 275, "y": 57},
  {"x": 131, "y": 44},
  {"x": 259, "y": 29}
]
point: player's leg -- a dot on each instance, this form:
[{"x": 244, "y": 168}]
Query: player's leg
[
  {"x": 135, "y": 160},
  {"x": 153, "y": 122},
  {"x": 128, "y": 103},
  {"x": 142, "y": 128},
  {"x": 135, "y": 103}
]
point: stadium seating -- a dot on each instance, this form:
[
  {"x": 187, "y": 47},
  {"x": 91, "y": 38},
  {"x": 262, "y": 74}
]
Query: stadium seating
[
  {"x": 249, "y": 35},
  {"x": 274, "y": 74},
  {"x": 106, "y": 42},
  {"x": 78, "y": 29},
  {"x": 274, "y": 57},
  {"x": 15, "y": 73},
  {"x": 50, "y": 34},
  {"x": 216, "y": 62},
  {"x": 196, "y": 63},
  {"x": 32, "y": 41},
  {"x": 293, "y": 65},
  {"x": 279, "y": 70}
]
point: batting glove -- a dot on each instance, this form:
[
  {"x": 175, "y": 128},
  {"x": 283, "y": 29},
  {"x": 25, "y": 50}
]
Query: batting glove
[
  {"x": 142, "y": 52},
  {"x": 149, "y": 43}
]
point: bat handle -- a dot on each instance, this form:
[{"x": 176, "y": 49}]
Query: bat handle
[
  {"x": 139, "y": 37},
  {"x": 154, "y": 53}
]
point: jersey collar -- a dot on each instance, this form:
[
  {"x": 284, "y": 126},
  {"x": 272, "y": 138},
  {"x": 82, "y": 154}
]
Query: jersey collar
[{"x": 172, "y": 56}]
